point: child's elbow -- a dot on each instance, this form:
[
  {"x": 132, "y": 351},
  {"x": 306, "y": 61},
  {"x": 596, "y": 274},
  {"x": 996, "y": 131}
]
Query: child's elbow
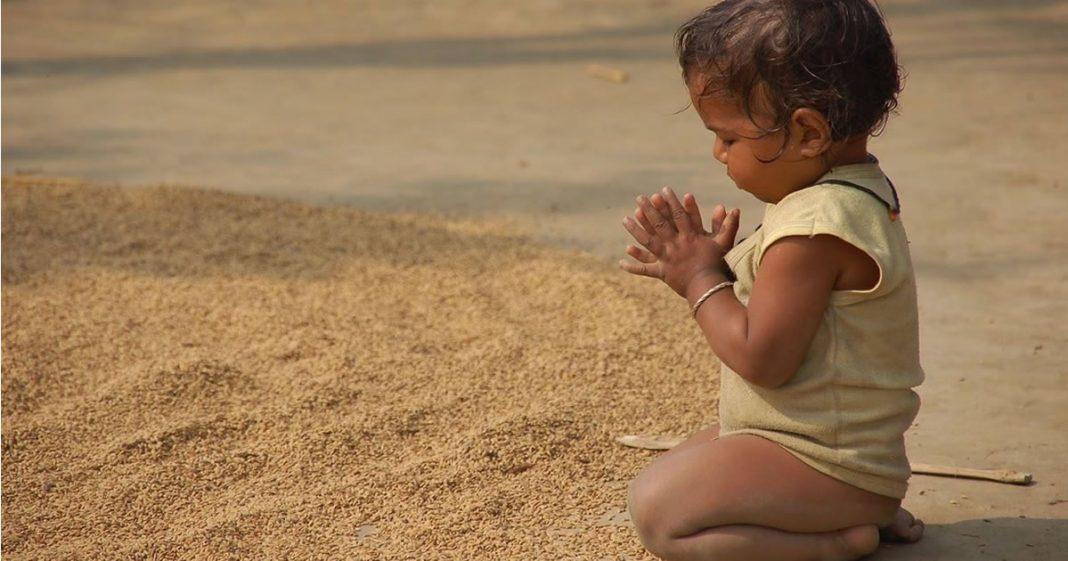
[
  {"x": 764, "y": 364},
  {"x": 767, "y": 374},
  {"x": 769, "y": 381},
  {"x": 774, "y": 380}
]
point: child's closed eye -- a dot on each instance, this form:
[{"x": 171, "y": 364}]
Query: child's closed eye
[{"x": 725, "y": 141}]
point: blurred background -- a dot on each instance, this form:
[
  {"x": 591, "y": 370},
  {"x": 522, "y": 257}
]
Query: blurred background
[{"x": 476, "y": 106}]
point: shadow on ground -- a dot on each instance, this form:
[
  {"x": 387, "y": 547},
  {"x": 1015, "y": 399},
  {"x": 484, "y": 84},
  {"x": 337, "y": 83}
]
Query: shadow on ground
[{"x": 983, "y": 539}]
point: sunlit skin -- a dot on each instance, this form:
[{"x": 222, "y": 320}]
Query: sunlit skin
[{"x": 743, "y": 497}]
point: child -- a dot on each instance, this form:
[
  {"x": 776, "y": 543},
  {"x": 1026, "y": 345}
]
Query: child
[{"x": 818, "y": 332}]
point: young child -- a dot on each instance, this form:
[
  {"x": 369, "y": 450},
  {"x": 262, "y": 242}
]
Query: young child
[{"x": 813, "y": 315}]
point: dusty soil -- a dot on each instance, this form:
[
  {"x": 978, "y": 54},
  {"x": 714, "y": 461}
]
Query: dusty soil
[{"x": 194, "y": 373}]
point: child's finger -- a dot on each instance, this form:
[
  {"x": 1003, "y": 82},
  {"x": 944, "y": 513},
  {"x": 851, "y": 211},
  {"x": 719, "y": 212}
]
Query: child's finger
[
  {"x": 679, "y": 216},
  {"x": 725, "y": 236},
  {"x": 640, "y": 234},
  {"x": 718, "y": 214},
  {"x": 660, "y": 204},
  {"x": 640, "y": 254},
  {"x": 643, "y": 220},
  {"x": 650, "y": 270},
  {"x": 660, "y": 222},
  {"x": 689, "y": 202}
]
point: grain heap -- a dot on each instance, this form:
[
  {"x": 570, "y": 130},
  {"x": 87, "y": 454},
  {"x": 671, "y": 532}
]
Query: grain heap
[{"x": 189, "y": 374}]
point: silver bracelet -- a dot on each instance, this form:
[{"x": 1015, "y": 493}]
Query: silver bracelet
[{"x": 708, "y": 293}]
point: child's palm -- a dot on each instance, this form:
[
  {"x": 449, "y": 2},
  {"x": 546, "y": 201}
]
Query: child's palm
[{"x": 677, "y": 248}]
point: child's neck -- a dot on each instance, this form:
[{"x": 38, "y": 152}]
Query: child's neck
[
  {"x": 848, "y": 152},
  {"x": 843, "y": 153}
]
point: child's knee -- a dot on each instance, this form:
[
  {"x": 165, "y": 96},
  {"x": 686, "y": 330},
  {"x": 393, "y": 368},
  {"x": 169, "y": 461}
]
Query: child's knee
[{"x": 643, "y": 504}]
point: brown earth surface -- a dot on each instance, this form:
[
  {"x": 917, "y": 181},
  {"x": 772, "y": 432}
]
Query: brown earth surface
[{"x": 429, "y": 354}]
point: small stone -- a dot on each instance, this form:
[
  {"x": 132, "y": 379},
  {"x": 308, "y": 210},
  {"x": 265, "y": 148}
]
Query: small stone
[{"x": 366, "y": 531}]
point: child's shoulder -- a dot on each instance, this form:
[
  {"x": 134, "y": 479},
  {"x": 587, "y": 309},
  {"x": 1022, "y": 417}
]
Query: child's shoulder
[
  {"x": 857, "y": 204},
  {"x": 844, "y": 195}
]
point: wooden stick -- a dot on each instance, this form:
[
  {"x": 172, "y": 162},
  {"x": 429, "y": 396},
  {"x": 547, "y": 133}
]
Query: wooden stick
[
  {"x": 654, "y": 442},
  {"x": 605, "y": 73},
  {"x": 999, "y": 475},
  {"x": 649, "y": 442}
]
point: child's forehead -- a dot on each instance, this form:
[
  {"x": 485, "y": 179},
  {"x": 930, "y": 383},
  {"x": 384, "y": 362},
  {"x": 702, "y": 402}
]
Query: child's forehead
[
  {"x": 716, "y": 108},
  {"x": 710, "y": 91},
  {"x": 705, "y": 84},
  {"x": 714, "y": 103},
  {"x": 724, "y": 119}
]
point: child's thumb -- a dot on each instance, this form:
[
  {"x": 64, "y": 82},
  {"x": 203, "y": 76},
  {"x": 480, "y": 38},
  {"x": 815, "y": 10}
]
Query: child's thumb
[{"x": 729, "y": 230}]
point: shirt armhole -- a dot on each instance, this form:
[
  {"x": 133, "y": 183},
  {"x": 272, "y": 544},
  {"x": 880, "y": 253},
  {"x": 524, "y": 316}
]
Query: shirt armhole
[{"x": 810, "y": 229}]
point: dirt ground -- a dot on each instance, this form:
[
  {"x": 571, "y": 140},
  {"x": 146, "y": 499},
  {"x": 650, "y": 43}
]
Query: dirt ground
[{"x": 126, "y": 312}]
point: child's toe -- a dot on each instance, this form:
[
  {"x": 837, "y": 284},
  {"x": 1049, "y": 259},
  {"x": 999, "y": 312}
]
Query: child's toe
[{"x": 905, "y": 528}]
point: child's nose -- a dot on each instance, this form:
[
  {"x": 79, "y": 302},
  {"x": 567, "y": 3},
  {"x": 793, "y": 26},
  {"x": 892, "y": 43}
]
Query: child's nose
[{"x": 719, "y": 151}]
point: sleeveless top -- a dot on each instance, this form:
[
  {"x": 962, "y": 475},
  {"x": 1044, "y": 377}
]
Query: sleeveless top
[{"x": 846, "y": 410}]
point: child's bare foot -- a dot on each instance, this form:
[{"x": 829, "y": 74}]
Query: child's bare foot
[
  {"x": 855, "y": 542},
  {"x": 904, "y": 529}
]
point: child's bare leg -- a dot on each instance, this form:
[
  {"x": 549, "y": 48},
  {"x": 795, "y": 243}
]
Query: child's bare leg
[
  {"x": 744, "y": 497},
  {"x": 703, "y": 436},
  {"x": 757, "y": 543},
  {"x": 905, "y": 527}
]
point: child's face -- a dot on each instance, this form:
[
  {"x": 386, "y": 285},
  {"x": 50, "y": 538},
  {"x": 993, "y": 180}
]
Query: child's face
[{"x": 756, "y": 161}]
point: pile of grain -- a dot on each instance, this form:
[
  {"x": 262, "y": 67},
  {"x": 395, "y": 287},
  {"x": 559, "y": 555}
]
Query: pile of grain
[{"x": 196, "y": 375}]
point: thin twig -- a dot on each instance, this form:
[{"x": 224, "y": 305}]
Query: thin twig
[{"x": 654, "y": 442}]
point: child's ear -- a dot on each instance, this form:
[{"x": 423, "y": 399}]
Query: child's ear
[{"x": 812, "y": 130}]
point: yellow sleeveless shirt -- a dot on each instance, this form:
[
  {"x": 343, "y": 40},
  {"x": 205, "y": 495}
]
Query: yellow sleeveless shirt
[{"x": 846, "y": 410}]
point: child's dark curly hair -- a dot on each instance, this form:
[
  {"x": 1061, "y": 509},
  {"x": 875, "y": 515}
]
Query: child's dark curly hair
[{"x": 775, "y": 56}]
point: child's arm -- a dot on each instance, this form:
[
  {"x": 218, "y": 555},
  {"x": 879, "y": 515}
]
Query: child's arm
[{"x": 766, "y": 341}]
